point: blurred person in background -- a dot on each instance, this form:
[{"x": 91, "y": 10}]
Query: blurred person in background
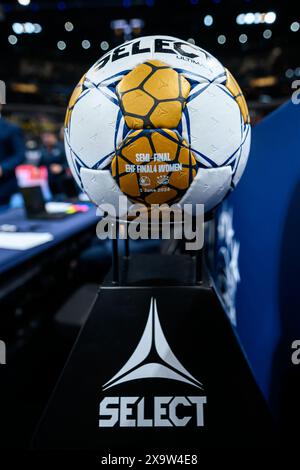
[
  {"x": 32, "y": 152},
  {"x": 71, "y": 188},
  {"x": 12, "y": 154},
  {"x": 53, "y": 157}
]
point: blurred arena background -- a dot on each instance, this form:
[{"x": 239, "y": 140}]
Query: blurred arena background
[{"x": 46, "y": 46}]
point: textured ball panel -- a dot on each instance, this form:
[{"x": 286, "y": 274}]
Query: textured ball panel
[
  {"x": 134, "y": 78},
  {"x": 152, "y": 95},
  {"x": 215, "y": 125},
  {"x": 154, "y": 166},
  {"x": 71, "y": 159},
  {"x": 102, "y": 188},
  {"x": 196, "y": 62},
  {"x": 129, "y": 184},
  {"x": 163, "y": 84},
  {"x": 74, "y": 97},
  {"x": 242, "y": 158},
  {"x": 92, "y": 128},
  {"x": 182, "y": 180},
  {"x": 169, "y": 197},
  {"x": 209, "y": 187},
  {"x": 184, "y": 86},
  {"x": 235, "y": 90},
  {"x": 156, "y": 63},
  {"x": 166, "y": 112},
  {"x": 131, "y": 151},
  {"x": 133, "y": 122},
  {"x": 137, "y": 102}
]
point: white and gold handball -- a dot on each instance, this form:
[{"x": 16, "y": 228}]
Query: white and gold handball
[{"x": 160, "y": 121}]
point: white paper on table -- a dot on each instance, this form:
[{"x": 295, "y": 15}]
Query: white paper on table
[
  {"x": 57, "y": 207},
  {"x": 23, "y": 240}
]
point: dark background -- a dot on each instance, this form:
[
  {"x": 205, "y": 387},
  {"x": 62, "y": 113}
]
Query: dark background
[{"x": 38, "y": 73}]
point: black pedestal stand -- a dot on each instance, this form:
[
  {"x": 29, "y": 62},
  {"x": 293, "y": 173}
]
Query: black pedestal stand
[{"x": 156, "y": 367}]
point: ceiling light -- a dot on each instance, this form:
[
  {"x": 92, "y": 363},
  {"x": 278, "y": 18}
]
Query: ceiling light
[
  {"x": 221, "y": 39},
  {"x": 104, "y": 45},
  {"x": 24, "y": 3},
  {"x": 69, "y": 26},
  {"x": 17, "y": 28},
  {"x": 208, "y": 20},
  {"x": 240, "y": 19},
  {"x": 86, "y": 44},
  {"x": 249, "y": 18},
  {"x": 243, "y": 38},
  {"x": 267, "y": 34},
  {"x": 61, "y": 45},
  {"x": 270, "y": 17},
  {"x": 12, "y": 39},
  {"x": 295, "y": 26}
]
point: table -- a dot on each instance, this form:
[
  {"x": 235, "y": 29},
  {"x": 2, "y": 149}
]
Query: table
[
  {"x": 33, "y": 282},
  {"x": 61, "y": 229}
]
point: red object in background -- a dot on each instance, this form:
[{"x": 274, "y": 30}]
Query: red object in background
[
  {"x": 30, "y": 175},
  {"x": 81, "y": 207}
]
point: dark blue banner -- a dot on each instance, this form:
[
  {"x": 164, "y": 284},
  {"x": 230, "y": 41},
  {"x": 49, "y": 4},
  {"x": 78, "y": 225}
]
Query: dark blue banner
[{"x": 258, "y": 257}]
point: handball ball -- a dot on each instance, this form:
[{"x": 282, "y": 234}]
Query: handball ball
[{"x": 158, "y": 120}]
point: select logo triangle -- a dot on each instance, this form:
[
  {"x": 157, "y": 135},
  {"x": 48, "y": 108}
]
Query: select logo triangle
[{"x": 152, "y": 358}]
